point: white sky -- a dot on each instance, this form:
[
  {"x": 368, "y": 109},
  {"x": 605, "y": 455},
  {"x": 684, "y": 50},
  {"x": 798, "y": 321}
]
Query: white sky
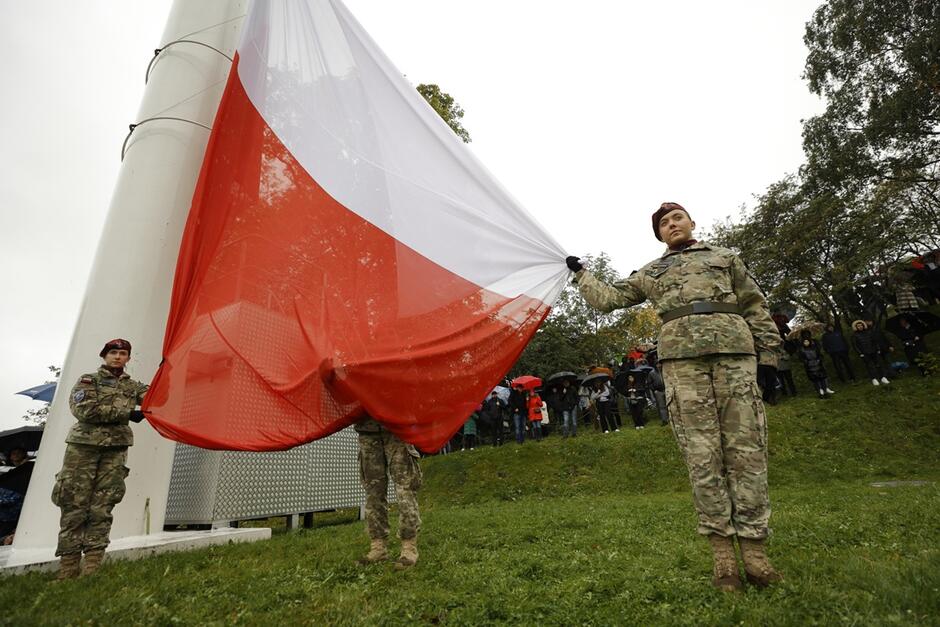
[{"x": 590, "y": 113}]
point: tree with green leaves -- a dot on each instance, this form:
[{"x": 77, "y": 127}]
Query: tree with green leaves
[
  {"x": 877, "y": 64},
  {"x": 446, "y": 107},
  {"x": 868, "y": 195}
]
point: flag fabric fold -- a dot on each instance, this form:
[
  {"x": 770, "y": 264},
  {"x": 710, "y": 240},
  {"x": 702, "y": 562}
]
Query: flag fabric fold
[{"x": 344, "y": 253}]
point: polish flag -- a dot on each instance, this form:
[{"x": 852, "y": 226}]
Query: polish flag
[{"x": 344, "y": 254}]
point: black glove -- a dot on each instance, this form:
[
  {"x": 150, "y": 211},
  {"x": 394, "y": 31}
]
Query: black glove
[
  {"x": 574, "y": 264},
  {"x": 136, "y": 415}
]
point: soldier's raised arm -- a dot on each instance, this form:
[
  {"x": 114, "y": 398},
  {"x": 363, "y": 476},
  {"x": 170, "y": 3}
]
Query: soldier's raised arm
[
  {"x": 755, "y": 312},
  {"x": 623, "y": 293}
]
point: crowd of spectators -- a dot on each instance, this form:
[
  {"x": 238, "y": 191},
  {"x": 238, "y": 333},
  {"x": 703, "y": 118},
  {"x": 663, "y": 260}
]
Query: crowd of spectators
[
  {"x": 877, "y": 354},
  {"x": 564, "y": 405}
]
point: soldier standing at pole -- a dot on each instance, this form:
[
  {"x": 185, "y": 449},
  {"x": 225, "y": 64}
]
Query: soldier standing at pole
[
  {"x": 717, "y": 333},
  {"x": 91, "y": 481},
  {"x": 382, "y": 455}
]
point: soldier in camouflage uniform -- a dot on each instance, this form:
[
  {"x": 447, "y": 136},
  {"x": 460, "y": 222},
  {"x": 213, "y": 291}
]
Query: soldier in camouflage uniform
[
  {"x": 717, "y": 332},
  {"x": 91, "y": 481},
  {"x": 382, "y": 455}
]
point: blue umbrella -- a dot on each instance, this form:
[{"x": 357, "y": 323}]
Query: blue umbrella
[{"x": 43, "y": 392}]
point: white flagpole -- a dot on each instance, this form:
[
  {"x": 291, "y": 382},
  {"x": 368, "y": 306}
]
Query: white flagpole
[{"x": 128, "y": 292}]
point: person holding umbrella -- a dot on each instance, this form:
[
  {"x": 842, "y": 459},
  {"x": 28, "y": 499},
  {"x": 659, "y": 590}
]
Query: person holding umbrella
[
  {"x": 717, "y": 332},
  {"x": 519, "y": 411},
  {"x": 563, "y": 400},
  {"x": 601, "y": 396}
]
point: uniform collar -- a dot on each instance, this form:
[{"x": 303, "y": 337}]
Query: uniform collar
[
  {"x": 104, "y": 372},
  {"x": 699, "y": 245}
]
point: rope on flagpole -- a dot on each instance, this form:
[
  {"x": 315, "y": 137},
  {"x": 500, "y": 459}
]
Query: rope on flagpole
[
  {"x": 162, "y": 117},
  {"x": 157, "y": 51}
]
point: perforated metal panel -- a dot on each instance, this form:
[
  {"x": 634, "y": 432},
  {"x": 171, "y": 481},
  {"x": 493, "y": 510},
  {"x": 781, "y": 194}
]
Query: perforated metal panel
[{"x": 213, "y": 486}]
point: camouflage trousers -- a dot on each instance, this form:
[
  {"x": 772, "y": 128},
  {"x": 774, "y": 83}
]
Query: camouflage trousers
[
  {"x": 382, "y": 455},
  {"x": 87, "y": 488},
  {"x": 719, "y": 422}
]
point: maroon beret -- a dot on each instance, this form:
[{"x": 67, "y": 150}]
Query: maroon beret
[
  {"x": 117, "y": 344},
  {"x": 665, "y": 208}
]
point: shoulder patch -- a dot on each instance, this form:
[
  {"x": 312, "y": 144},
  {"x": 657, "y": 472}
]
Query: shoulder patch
[
  {"x": 78, "y": 396},
  {"x": 86, "y": 379}
]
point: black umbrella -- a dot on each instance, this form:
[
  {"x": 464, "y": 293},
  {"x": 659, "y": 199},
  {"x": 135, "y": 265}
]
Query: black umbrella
[
  {"x": 922, "y": 321},
  {"x": 597, "y": 376},
  {"x": 560, "y": 376},
  {"x": 27, "y": 437}
]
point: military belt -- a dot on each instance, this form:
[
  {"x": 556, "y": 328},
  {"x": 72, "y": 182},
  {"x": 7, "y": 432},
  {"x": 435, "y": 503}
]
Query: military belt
[{"x": 701, "y": 307}]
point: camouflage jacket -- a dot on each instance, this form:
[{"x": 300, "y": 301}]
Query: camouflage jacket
[
  {"x": 102, "y": 404},
  {"x": 699, "y": 273}
]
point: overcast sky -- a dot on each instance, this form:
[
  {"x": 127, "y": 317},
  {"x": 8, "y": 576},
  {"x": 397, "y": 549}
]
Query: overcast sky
[{"x": 590, "y": 113}]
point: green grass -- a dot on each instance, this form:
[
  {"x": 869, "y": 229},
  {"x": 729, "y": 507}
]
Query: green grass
[{"x": 595, "y": 530}]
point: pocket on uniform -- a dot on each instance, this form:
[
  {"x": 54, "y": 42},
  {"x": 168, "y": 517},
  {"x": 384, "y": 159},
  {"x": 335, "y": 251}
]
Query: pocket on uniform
[
  {"x": 719, "y": 262},
  {"x": 720, "y": 271},
  {"x": 119, "y": 488},
  {"x": 760, "y": 416},
  {"x": 414, "y": 476},
  {"x": 675, "y": 417},
  {"x": 417, "y": 477},
  {"x": 57, "y": 490}
]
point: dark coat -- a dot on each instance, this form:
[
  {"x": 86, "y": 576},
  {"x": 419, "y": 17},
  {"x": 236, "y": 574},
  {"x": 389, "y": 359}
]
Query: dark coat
[
  {"x": 553, "y": 398},
  {"x": 568, "y": 399},
  {"x": 517, "y": 403},
  {"x": 812, "y": 361},
  {"x": 865, "y": 342},
  {"x": 911, "y": 339},
  {"x": 18, "y": 478},
  {"x": 492, "y": 411},
  {"x": 834, "y": 342}
]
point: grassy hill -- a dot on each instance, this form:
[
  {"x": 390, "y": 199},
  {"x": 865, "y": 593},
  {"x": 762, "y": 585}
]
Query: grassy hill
[{"x": 595, "y": 530}]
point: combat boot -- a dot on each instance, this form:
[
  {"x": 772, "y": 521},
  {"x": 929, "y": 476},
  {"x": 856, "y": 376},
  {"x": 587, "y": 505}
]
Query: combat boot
[
  {"x": 378, "y": 552},
  {"x": 760, "y": 572},
  {"x": 93, "y": 559},
  {"x": 725, "y": 575},
  {"x": 69, "y": 566},
  {"x": 409, "y": 554}
]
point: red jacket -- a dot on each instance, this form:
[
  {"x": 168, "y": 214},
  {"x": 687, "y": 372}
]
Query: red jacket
[{"x": 535, "y": 407}]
